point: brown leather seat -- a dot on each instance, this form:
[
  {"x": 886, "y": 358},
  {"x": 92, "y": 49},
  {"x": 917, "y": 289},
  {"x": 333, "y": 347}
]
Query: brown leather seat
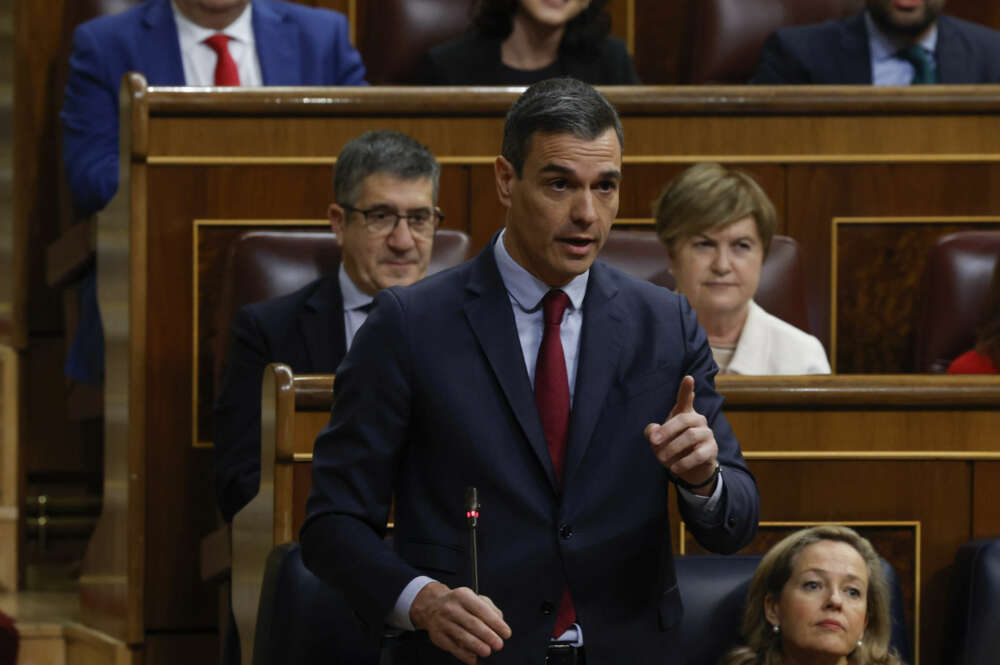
[
  {"x": 268, "y": 264},
  {"x": 395, "y": 33},
  {"x": 730, "y": 33},
  {"x": 954, "y": 287},
  {"x": 781, "y": 290}
]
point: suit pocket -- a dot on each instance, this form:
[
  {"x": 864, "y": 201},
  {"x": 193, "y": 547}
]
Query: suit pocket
[
  {"x": 432, "y": 557},
  {"x": 671, "y": 608}
]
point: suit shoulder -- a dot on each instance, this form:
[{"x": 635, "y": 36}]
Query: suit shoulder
[
  {"x": 304, "y": 14},
  {"x": 975, "y": 32},
  {"x": 283, "y": 308},
  {"x": 803, "y": 35},
  {"x": 115, "y": 24},
  {"x": 640, "y": 290}
]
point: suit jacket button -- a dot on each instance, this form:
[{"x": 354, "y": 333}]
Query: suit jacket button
[
  {"x": 731, "y": 521},
  {"x": 566, "y": 531},
  {"x": 548, "y": 608}
]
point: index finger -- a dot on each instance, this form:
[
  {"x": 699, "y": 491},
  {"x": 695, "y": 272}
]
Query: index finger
[{"x": 685, "y": 397}]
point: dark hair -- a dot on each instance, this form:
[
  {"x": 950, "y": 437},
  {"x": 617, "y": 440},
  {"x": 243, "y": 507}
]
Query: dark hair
[
  {"x": 988, "y": 335},
  {"x": 560, "y": 106},
  {"x": 584, "y": 32},
  {"x": 381, "y": 151}
]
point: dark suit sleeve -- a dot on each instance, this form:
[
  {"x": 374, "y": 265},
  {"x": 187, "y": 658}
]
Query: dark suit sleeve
[
  {"x": 733, "y": 525},
  {"x": 237, "y": 416},
  {"x": 90, "y": 125},
  {"x": 354, "y": 460},
  {"x": 779, "y": 64}
]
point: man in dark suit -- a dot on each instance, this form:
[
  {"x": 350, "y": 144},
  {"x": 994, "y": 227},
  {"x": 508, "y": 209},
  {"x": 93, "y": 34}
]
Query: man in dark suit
[
  {"x": 384, "y": 216},
  {"x": 548, "y": 382},
  {"x": 893, "y": 42},
  {"x": 265, "y": 42}
]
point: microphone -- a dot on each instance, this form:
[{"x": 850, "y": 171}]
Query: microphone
[{"x": 472, "y": 520}]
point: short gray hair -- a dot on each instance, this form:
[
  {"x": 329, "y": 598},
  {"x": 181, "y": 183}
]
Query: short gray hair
[
  {"x": 381, "y": 151},
  {"x": 558, "y": 106}
]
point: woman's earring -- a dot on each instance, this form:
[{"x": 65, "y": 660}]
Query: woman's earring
[
  {"x": 776, "y": 630},
  {"x": 859, "y": 642}
]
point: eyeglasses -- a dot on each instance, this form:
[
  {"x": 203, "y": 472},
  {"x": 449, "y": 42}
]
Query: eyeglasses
[{"x": 383, "y": 221}]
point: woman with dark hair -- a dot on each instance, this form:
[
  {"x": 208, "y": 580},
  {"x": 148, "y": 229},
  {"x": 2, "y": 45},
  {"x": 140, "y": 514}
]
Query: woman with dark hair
[
  {"x": 985, "y": 358},
  {"x": 520, "y": 42}
]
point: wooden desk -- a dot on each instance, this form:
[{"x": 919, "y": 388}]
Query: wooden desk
[{"x": 850, "y": 169}]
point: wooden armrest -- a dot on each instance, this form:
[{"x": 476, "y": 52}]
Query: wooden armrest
[
  {"x": 72, "y": 253},
  {"x": 217, "y": 554}
]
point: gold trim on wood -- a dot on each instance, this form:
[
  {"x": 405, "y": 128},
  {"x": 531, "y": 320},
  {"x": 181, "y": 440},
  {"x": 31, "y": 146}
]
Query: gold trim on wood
[
  {"x": 352, "y": 21},
  {"x": 479, "y": 160},
  {"x": 916, "y": 219},
  {"x": 196, "y": 227},
  {"x": 859, "y": 455}
]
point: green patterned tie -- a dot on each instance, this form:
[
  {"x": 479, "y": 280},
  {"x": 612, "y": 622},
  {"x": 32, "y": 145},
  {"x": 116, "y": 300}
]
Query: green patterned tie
[{"x": 924, "y": 70}]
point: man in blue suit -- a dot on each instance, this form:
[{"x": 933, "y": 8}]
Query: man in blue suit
[
  {"x": 269, "y": 42},
  {"x": 570, "y": 394},
  {"x": 893, "y": 42}
]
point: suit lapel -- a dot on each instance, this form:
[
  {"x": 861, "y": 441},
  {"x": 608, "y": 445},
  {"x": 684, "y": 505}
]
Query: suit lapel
[
  {"x": 160, "y": 46},
  {"x": 952, "y": 59},
  {"x": 855, "y": 61},
  {"x": 321, "y": 324},
  {"x": 489, "y": 313},
  {"x": 277, "y": 46},
  {"x": 600, "y": 347}
]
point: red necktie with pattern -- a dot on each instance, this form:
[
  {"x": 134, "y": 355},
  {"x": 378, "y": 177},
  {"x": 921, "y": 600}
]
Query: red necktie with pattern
[
  {"x": 225, "y": 67},
  {"x": 552, "y": 400}
]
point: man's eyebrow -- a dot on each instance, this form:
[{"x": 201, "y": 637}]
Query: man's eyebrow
[{"x": 612, "y": 174}]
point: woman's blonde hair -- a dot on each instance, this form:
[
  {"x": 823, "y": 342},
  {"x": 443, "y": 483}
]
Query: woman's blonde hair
[
  {"x": 763, "y": 645},
  {"x": 707, "y": 196}
]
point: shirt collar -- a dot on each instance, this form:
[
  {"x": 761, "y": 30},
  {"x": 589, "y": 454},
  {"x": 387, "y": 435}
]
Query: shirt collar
[
  {"x": 884, "y": 47},
  {"x": 189, "y": 32},
  {"x": 526, "y": 289},
  {"x": 354, "y": 298}
]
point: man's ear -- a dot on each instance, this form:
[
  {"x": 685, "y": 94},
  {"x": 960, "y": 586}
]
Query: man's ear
[
  {"x": 505, "y": 176},
  {"x": 337, "y": 215}
]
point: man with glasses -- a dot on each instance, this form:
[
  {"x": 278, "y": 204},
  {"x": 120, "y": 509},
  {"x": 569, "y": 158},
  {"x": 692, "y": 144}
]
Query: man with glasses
[{"x": 384, "y": 216}]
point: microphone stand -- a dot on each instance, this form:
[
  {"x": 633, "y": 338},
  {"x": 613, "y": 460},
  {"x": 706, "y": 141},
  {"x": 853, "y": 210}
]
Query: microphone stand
[{"x": 472, "y": 520}]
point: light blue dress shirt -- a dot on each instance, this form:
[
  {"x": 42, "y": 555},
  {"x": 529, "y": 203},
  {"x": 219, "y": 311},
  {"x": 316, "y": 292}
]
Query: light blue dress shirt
[{"x": 887, "y": 67}]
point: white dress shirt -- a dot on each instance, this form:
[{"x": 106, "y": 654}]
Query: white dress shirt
[
  {"x": 198, "y": 57},
  {"x": 887, "y": 67}
]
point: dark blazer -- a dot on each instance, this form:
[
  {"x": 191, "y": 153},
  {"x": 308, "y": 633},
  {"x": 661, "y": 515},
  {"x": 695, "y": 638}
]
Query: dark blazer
[
  {"x": 296, "y": 45},
  {"x": 475, "y": 60},
  {"x": 836, "y": 52},
  {"x": 305, "y": 330},
  {"x": 433, "y": 397}
]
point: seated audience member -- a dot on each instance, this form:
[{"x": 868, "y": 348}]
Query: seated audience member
[
  {"x": 184, "y": 42},
  {"x": 985, "y": 358},
  {"x": 385, "y": 188},
  {"x": 819, "y": 597},
  {"x": 519, "y": 42},
  {"x": 892, "y": 42},
  {"x": 717, "y": 225}
]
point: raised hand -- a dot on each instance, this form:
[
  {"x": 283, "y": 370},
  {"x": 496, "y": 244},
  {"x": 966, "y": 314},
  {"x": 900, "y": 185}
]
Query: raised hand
[{"x": 684, "y": 443}]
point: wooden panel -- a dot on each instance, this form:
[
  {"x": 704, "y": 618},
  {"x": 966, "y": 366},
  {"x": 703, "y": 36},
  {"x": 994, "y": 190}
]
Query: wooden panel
[
  {"x": 187, "y": 648},
  {"x": 985, "y": 507},
  {"x": 879, "y": 267},
  {"x": 663, "y": 40},
  {"x": 10, "y": 474}
]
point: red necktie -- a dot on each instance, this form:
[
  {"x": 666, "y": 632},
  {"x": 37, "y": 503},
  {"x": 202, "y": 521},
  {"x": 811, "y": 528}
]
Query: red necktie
[
  {"x": 225, "y": 67},
  {"x": 552, "y": 400}
]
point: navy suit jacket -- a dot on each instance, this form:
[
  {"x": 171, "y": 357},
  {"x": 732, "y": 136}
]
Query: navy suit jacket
[
  {"x": 434, "y": 397},
  {"x": 836, "y": 52},
  {"x": 296, "y": 45},
  {"x": 304, "y": 330}
]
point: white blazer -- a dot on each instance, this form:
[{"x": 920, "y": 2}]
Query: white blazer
[{"x": 768, "y": 345}]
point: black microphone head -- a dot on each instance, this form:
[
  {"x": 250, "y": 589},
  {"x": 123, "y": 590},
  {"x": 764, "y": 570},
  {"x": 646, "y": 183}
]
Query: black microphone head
[{"x": 471, "y": 505}]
